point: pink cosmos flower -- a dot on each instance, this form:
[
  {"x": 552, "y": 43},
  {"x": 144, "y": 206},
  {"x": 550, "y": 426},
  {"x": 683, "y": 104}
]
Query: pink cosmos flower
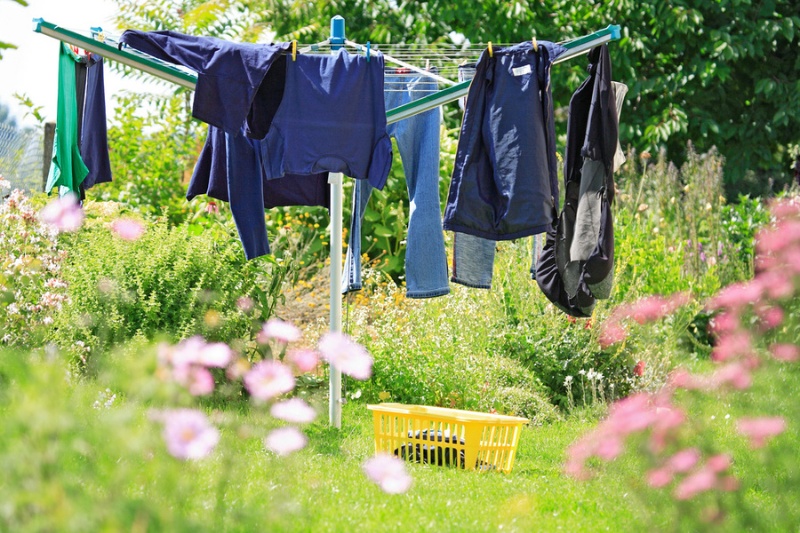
[
  {"x": 737, "y": 295},
  {"x": 736, "y": 374},
  {"x": 692, "y": 485},
  {"x": 63, "y": 214},
  {"x": 216, "y": 354},
  {"x": 128, "y": 229},
  {"x": 295, "y": 410},
  {"x": 304, "y": 360},
  {"x": 771, "y": 317},
  {"x": 719, "y": 463},
  {"x": 347, "y": 356},
  {"x": 284, "y": 441},
  {"x": 277, "y": 329},
  {"x": 683, "y": 379},
  {"x": 758, "y": 430},
  {"x": 388, "y": 472},
  {"x": 732, "y": 345},
  {"x": 188, "y": 434},
  {"x": 684, "y": 460},
  {"x": 723, "y": 323},
  {"x": 268, "y": 379},
  {"x": 200, "y": 382},
  {"x": 777, "y": 284},
  {"x": 611, "y": 333},
  {"x": 785, "y": 207},
  {"x": 659, "y": 477},
  {"x": 785, "y": 352}
]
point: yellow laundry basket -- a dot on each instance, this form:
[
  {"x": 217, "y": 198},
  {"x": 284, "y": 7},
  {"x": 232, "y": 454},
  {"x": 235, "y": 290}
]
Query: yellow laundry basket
[{"x": 465, "y": 439}]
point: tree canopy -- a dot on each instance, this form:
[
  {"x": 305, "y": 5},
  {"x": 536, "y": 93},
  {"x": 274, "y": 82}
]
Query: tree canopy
[{"x": 718, "y": 73}]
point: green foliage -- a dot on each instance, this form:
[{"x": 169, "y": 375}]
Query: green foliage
[
  {"x": 718, "y": 73},
  {"x": 167, "y": 283},
  {"x": 153, "y": 143},
  {"x": 32, "y": 290}
]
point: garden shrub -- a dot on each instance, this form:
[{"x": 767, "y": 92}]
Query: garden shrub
[
  {"x": 32, "y": 288},
  {"x": 167, "y": 283}
]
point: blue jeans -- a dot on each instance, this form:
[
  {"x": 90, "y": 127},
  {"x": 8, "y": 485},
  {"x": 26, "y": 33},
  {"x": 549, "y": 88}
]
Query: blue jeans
[{"x": 418, "y": 143}]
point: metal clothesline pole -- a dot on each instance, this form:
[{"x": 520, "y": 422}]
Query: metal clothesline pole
[{"x": 170, "y": 73}]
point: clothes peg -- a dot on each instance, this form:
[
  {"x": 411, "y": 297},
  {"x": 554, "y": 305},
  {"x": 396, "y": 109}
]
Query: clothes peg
[
  {"x": 535, "y": 45},
  {"x": 294, "y": 50},
  {"x": 491, "y": 52},
  {"x": 368, "y": 46}
]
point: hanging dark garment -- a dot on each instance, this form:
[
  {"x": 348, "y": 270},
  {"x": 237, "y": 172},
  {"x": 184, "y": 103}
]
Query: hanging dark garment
[{"x": 576, "y": 266}]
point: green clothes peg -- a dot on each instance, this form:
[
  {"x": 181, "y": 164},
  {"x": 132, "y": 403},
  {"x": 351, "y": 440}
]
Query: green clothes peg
[{"x": 68, "y": 169}]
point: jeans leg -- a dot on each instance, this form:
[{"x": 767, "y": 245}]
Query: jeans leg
[
  {"x": 418, "y": 144},
  {"x": 473, "y": 260},
  {"x": 351, "y": 276}
]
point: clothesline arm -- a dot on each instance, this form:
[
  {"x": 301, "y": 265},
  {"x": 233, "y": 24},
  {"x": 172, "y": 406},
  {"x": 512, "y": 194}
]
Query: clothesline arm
[
  {"x": 170, "y": 73},
  {"x": 575, "y": 48}
]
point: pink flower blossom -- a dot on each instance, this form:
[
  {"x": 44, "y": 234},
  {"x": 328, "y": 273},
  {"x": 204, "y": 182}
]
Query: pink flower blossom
[
  {"x": 638, "y": 369},
  {"x": 758, "y": 430},
  {"x": 652, "y": 308},
  {"x": 304, "y": 360},
  {"x": 268, "y": 379},
  {"x": 719, "y": 463},
  {"x": 63, "y": 214},
  {"x": 216, "y": 354},
  {"x": 388, "y": 472},
  {"x": 723, "y": 323},
  {"x": 345, "y": 355},
  {"x": 737, "y": 295},
  {"x": 200, "y": 382},
  {"x": 693, "y": 484},
  {"x": 277, "y": 329},
  {"x": 778, "y": 238},
  {"x": 659, "y": 477},
  {"x": 785, "y": 352},
  {"x": 667, "y": 420},
  {"x": 611, "y": 333},
  {"x": 188, "y": 434},
  {"x": 295, "y": 410},
  {"x": 683, "y": 379},
  {"x": 732, "y": 345},
  {"x": 771, "y": 317},
  {"x": 128, "y": 229},
  {"x": 212, "y": 208},
  {"x": 785, "y": 207},
  {"x": 284, "y": 441},
  {"x": 777, "y": 284},
  {"x": 736, "y": 374},
  {"x": 684, "y": 460}
]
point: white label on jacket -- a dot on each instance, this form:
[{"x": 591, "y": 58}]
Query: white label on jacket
[{"x": 521, "y": 71}]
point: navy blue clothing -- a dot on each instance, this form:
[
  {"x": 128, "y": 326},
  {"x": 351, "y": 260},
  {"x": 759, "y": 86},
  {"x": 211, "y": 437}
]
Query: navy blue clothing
[
  {"x": 92, "y": 127},
  {"x": 505, "y": 178},
  {"x": 332, "y": 118},
  {"x": 229, "y": 75},
  {"x": 230, "y": 168},
  {"x": 576, "y": 266}
]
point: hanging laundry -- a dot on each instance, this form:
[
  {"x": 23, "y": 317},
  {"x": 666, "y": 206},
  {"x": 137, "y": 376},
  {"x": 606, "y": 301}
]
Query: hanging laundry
[
  {"x": 331, "y": 118},
  {"x": 319, "y": 113},
  {"x": 577, "y": 264},
  {"x": 418, "y": 143},
  {"x": 230, "y": 169},
  {"x": 230, "y": 76},
  {"x": 505, "y": 182},
  {"x": 473, "y": 257},
  {"x": 80, "y": 147}
]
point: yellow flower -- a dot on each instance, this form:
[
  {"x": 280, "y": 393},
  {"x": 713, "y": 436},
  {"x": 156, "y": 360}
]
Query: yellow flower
[{"x": 383, "y": 396}]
